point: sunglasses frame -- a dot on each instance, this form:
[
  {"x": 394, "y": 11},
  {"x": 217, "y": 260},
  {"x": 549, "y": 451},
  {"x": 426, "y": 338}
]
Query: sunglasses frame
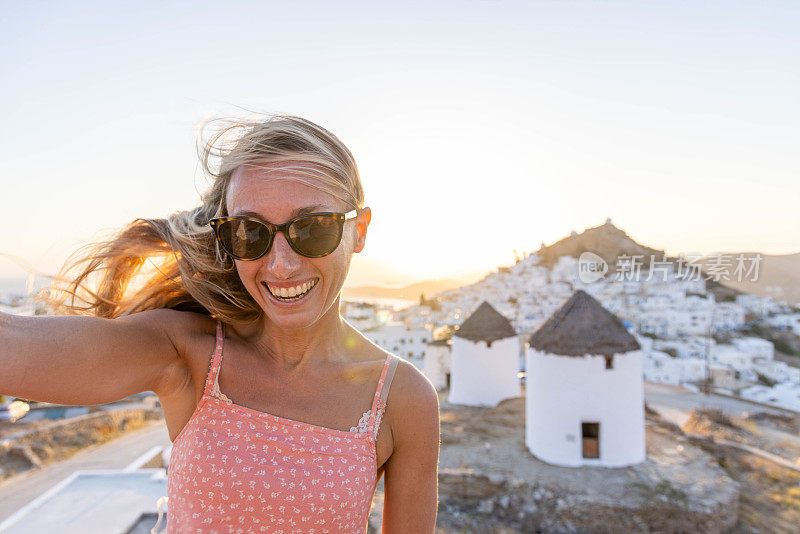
[{"x": 340, "y": 218}]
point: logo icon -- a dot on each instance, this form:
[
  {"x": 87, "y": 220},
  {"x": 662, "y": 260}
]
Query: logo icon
[{"x": 591, "y": 267}]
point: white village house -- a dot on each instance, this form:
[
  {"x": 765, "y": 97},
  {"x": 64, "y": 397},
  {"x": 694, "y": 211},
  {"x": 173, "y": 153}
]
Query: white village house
[
  {"x": 436, "y": 363},
  {"x": 484, "y": 367},
  {"x": 396, "y": 337},
  {"x": 362, "y": 315},
  {"x": 584, "y": 391}
]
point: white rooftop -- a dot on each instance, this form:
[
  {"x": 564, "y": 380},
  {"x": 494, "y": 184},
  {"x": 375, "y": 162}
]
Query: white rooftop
[{"x": 89, "y": 502}]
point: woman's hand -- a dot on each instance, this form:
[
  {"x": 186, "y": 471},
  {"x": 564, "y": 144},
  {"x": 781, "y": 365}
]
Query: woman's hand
[{"x": 411, "y": 475}]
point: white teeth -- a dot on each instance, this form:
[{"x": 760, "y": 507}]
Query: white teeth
[{"x": 292, "y": 292}]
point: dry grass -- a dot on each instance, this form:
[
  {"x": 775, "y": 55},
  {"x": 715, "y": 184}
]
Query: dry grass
[{"x": 769, "y": 499}]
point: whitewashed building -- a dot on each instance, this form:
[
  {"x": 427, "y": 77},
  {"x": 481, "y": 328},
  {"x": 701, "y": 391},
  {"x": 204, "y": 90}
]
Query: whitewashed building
[
  {"x": 436, "y": 365},
  {"x": 485, "y": 360},
  {"x": 362, "y": 315},
  {"x": 761, "y": 307},
  {"x": 728, "y": 316},
  {"x": 687, "y": 347},
  {"x": 786, "y": 321},
  {"x": 660, "y": 367},
  {"x": 397, "y": 338},
  {"x": 781, "y": 395},
  {"x": 755, "y": 346},
  {"x": 584, "y": 394},
  {"x": 777, "y": 371}
]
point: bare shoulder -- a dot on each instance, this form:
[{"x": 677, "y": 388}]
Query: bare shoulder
[
  {"x": 192, "y": 336},
  {"x": 184, "y": 329},
  {"x": 412, "y": 405},
  {"x": 410, "y": 387}
]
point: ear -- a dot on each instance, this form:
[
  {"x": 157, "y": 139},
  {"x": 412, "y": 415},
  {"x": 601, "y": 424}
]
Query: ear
[{"x": 362, "y": 223}]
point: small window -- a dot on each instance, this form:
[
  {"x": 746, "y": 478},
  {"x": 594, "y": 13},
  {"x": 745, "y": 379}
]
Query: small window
[{"x": 591, "y": 440}]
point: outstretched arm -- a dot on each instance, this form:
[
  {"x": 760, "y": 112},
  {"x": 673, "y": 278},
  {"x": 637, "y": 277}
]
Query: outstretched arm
[
  {"x": 411, "y": 476},
  {"x": 87, "y": 360}
]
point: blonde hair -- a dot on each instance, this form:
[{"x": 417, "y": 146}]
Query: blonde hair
[{"x": 176, "y": 262}]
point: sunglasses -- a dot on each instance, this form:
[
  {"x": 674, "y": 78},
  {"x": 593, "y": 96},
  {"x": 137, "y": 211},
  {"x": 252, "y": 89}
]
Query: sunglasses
[{"x": 313, "y": 235}]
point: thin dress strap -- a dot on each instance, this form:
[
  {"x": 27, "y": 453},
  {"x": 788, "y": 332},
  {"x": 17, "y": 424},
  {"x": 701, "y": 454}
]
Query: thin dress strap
[
  {"x": 381, "y": 393},
  {"x": 213, "y": 372}
]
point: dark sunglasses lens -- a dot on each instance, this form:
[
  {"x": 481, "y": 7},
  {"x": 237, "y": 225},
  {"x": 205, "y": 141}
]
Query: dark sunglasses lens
[
  {"x": 244, "y": 239},
  {"x": 316, "y": 235}
]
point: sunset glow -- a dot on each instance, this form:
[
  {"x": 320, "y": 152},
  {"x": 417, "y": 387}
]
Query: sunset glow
[{"x": 478, "y": 128}]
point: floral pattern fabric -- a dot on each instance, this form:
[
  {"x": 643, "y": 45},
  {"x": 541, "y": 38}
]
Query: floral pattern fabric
[{"x": 235, "y": 469}]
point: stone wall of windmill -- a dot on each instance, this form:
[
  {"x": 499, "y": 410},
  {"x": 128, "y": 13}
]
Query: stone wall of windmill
[
  {"x": 485, "y": 360},
  {"x": 585, "y": 394}
]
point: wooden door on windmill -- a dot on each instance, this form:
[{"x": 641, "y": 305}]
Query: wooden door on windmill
[{"x": 591, "y": 439}]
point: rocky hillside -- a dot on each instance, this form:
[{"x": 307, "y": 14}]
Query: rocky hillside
[
  {"x": 778, "y": 275},
  {"x": 606, "y": 240}
]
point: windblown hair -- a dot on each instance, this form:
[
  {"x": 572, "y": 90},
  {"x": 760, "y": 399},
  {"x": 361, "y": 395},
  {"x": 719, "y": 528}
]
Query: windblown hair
[{"x": 176, "y": 262}]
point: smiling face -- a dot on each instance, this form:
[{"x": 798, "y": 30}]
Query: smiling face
[{"x": 294, "y": 291}]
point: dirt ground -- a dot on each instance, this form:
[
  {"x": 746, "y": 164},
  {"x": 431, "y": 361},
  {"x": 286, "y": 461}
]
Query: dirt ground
[
  {"x": 769, "y": 495},
  {"x": 28, "y": 445},
  {"x": 7, "y": 428}
]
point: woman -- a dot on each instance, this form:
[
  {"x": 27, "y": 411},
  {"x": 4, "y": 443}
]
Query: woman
[{"x": 282, "y": 415}]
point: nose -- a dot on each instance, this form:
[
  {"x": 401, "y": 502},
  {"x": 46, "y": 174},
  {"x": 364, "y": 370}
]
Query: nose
[{"x": 282, "y": 261}]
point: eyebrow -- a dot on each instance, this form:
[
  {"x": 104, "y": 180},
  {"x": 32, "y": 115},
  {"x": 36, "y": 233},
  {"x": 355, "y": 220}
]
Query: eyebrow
[{"x": 295, "y": 213}]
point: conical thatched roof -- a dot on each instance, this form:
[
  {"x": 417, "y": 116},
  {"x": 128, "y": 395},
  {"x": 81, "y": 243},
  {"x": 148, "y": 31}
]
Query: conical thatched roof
[
  {"x": 485, "y": 324},
  {"x": 583, "y": 326}
]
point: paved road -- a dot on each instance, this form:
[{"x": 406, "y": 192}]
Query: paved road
[
  {"x": 116, "y": 454},
  {"x": 675, "y": 403}
]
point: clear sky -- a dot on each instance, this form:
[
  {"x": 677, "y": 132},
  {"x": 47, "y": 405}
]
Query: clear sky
[{"x": 478, "y": 127}]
